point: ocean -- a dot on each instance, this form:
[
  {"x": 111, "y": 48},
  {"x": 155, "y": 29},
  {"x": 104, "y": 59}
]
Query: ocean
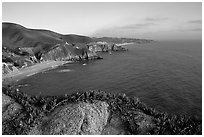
[{"x": 165, "y": 75}]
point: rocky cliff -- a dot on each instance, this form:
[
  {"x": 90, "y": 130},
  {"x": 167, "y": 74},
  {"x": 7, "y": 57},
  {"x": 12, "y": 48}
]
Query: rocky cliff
[
  {"x": 13, "y": 59},
  {"x": 68, "y": 52},
  {"x": 7, "y": 68},
  {"x": 104, "y": 47},
  {"x": 93, "y": 113}
]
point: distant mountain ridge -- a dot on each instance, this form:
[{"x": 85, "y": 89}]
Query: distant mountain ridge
[
  {"x": 122, "y": 40},
  {"x": 15, "y": 35}
]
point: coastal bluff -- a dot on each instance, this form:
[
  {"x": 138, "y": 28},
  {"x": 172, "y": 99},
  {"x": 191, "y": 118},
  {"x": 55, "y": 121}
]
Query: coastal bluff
[
  {"x": 87, "y": 113},
  {"x": 23, "y": 47}
]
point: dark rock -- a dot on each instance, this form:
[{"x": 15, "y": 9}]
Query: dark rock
[
  {"x": 114, "y": 127},
  {"x": 145, "y": 123}
]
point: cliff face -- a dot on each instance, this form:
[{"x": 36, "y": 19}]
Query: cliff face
[
  {"x": 7, "y": 68},
  {"x": 68, "y": 52},
  {"x": 59, "y": 52},
  {"x": 104, "y": 47},
  {"x": 13, "y": 59}
]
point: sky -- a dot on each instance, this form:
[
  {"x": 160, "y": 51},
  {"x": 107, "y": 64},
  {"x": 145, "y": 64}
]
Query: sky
[{"x": 149, "y": 20}]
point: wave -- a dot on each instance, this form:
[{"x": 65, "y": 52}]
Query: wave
[{"x": 65, "y": 70}]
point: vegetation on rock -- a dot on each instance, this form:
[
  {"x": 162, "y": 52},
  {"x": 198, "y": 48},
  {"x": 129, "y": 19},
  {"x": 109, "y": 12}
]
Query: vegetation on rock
[{"x": 132, "y": 116}]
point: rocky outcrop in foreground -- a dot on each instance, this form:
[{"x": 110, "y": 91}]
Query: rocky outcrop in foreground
[
  {"x": 78, "y": 118},
  {"x": 92, "y": 113}
]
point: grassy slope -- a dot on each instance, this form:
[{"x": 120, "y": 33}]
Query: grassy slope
[{"x": 15, "y": 35}]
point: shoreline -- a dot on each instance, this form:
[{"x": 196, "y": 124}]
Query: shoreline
[{"x": 29, "y": 71}]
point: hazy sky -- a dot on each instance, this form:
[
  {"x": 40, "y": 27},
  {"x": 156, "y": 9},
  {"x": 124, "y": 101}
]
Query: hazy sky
[{"x": 158, "y": 21}]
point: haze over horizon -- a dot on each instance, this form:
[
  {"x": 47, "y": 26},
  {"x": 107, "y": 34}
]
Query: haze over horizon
[{"x": 157, "y": 21}]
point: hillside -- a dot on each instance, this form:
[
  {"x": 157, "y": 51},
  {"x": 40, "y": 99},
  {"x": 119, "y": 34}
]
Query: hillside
[
  {"x": 23, "y": 47},
  {"x": 15, "y": 35}
]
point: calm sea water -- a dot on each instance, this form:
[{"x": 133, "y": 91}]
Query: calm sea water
[{"x": 164, "y": 75}]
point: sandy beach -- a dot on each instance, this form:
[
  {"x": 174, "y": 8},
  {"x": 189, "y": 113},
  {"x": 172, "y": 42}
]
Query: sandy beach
[{"x": 29, "y": 71}]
